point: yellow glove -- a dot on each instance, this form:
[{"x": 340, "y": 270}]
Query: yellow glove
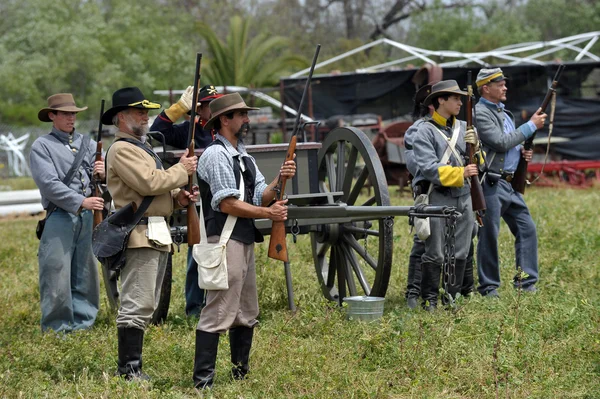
[
  {"x": 182, "y": 106},
  {"x": 471, "y": 138}
]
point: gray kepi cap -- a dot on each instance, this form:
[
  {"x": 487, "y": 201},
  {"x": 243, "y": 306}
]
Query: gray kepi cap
[
  {"x": 486, "y": 76},
  {"x": 444, "y": 87}
]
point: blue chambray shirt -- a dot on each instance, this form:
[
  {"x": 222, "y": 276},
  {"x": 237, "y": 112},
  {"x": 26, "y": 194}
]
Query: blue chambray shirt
[
  {"x": 215, "y": 167},
  {"x": 511, "y": 160}
]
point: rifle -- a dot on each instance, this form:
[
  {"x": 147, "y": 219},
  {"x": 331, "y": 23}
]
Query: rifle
[
  {"x": 519, "y": 180},
  {"x": 477, "y": 198},
  {"x": 277, "y": 244},
  {"x": 193, "y": 222},
  {"x": 97, "y": 182}
]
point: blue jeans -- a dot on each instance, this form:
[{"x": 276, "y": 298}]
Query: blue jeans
[
  {"x": 68, "y": 272},
  {"x": 194, "y": 295},
  {"x": 504, "y": 202}
]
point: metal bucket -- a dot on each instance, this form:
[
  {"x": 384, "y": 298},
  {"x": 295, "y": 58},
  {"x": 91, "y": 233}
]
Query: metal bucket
[{"x": 366, "y": 308}]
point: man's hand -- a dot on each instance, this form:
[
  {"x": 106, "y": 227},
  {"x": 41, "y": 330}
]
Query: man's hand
[
  {"x": 278, "y": 211},
  {"x": 470, "y": 170},
  {"x": 184, "y": 198},
  {"x": 99, "y": 169},
  {"x": 288, "y": 169},
  {"x": 93, "y": 203},
  {"x": 527, "y": 154},
  {"x": 539, "y": 118},
  {"x": 185, "y": 101},
  {"x": 471, "y": 138},
  {"x": 190, "y": 163}
]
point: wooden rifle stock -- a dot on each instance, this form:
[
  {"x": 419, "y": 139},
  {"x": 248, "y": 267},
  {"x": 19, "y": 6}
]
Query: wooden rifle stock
[
  {"x": 193, "y": 221},
  {"x": 477, "y": 197},
  {"x": 519, "y": 181},
  {"x": 277, "y": 244},
  {"x": 97, "y": 182}
]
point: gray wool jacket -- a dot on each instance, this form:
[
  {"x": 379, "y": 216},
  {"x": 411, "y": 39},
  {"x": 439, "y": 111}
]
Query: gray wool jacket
[
  {"x": 429, "y": 148},
  {"x": 495, "y": 143},
  {"x": 51, "y": 158}
]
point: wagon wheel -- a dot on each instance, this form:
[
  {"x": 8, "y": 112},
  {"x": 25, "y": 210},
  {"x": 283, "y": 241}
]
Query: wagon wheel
[
  {"x": 112, "y": 292},
  {"x": 357, "y": 254}
]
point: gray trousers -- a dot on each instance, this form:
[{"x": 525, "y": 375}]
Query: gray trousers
[
  {"x": 68, "y": 272},
  {"x": 504, "y": 202},
  {"x": 434, "y": 245},
  {"x": 238, "y": 305},
  {"x": 141, "y": 281}
]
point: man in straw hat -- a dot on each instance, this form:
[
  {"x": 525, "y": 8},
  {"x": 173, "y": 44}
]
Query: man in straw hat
[
  {"x": 69, "y": 282},
  {"x": 439, "y": 150},
  {"x": 131, "y": 175},
  {"x": 219, "y": 170},
  {"x": 177, "y": 136},
  {"x": 501, "y": 140}
]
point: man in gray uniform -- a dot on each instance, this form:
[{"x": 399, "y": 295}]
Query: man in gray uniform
[
  {"x": 439, "y": 150},
  {"x": 68, "y": 271},
  {"x": 500, "y": 139}
]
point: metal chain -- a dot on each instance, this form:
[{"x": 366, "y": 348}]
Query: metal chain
[{"x": 450, "y": 254}]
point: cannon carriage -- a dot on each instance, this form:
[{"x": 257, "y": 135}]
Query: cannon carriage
[{"x": 350, "y": 228}]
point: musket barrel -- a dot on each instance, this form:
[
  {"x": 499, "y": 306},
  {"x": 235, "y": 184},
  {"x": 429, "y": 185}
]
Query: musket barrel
[{"x": 347, "y": 211}]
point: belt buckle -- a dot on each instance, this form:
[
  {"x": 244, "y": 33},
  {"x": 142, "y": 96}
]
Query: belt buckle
[{"x": 509, "y": 177}]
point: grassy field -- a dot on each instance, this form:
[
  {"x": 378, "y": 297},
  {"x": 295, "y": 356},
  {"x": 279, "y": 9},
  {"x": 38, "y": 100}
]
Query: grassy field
[{"x": 545, "y": 345}]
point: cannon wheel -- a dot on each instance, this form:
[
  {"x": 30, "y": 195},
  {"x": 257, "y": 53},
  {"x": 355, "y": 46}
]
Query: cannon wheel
[
  {"x": 112, "y": 292},
  {"x": 357, "y": 254}
]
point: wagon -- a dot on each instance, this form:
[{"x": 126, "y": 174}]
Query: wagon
[{"x": 351, "y": 233}]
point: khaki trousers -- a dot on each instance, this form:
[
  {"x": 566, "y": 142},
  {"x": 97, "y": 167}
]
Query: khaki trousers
[
  {"x": 141, "y": 281},
  {"x": 238, "y": 305}
]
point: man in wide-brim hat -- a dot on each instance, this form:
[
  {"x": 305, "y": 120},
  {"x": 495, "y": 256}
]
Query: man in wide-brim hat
[
  {"x": 439, "y": 150},
  {"x": 132, "y": 175},
  {"x": 219, "y": 171},
  {"x": 63, "y": 167},
  {"x": 501, "y": 139}
]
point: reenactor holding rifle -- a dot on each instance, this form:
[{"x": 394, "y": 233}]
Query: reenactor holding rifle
[
  {"x": 439, "y": 150},
  {"x": 501, "y": 141}
]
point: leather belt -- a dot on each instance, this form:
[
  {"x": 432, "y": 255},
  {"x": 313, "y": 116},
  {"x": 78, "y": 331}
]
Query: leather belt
[{"x": 507, "y": 176}]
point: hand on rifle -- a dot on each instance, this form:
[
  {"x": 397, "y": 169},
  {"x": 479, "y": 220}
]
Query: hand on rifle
[
  {"x": 99, "y": 169},
  {"x": 93, "y": 203},
  {"x": 527, "y": 154},
  {"x": 278, "y": 211},
  {"x": 539, "y": 118},
  {"x": 184, "y": 198},
  {"x": 185, "y": 101},
  {"x": 471, "y": 138},
  {"x": 470, "y": 170},
  {"x": 288, "y": 169},
  {"x": 190, "y": 163}
]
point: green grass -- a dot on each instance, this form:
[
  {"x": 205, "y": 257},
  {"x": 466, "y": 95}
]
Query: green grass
[
  {"x": 17, "y": 183},
  {"x": 545, "y": 345}
]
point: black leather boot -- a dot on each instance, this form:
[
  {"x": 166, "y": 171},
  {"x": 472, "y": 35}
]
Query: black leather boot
[
  {"x": 240, "y": 339},
  {"x": 468, "y": 283},
  {"x": 413, "y": 284},
  {"x": 454, "y": 289},
  {"x": 131, "y": 342},
  {"x": 430, "y": 284},
  {"x": 205, "y": 359}
]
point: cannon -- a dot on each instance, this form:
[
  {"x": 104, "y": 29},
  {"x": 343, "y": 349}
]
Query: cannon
[{"x": 351, "y": 233}]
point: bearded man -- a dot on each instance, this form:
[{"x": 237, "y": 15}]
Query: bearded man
[{"x": 132, "y": 174}]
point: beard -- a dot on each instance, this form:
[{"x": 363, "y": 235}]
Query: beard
[
  {"x": 138, "y": 129},
  {"x": 244, "y": 129}
]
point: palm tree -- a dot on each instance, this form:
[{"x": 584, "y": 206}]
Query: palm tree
[{"x": 241, "y": 61}]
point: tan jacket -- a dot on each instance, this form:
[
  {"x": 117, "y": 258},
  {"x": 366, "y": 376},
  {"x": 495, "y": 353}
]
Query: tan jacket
[{"x": 131, "y": 175}]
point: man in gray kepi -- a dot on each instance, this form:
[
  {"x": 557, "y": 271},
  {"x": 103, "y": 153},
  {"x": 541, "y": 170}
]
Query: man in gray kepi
[{"x": 501, "y": 141}]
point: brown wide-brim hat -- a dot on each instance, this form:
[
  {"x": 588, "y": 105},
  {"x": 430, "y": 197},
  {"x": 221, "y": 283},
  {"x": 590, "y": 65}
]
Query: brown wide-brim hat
[
  {"x": 225, "y": 104},
  {"x": 127, "y": 97},
  {"x": 444, "y": 87},
  {"x": 59, "y": 102}
]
